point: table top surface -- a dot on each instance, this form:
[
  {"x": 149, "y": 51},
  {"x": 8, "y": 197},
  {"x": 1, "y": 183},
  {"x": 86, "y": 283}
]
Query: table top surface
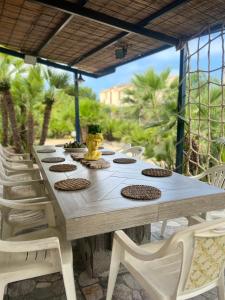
[{"x": 104, "y": 194}]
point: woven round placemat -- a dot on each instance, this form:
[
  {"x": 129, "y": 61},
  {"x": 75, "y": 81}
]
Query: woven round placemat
[
  {"x": 72, "y": 184},
  {"x": 62, "y": 168},
  {"x": 141, "y": 192},
  {"x": 53, "y": 159},
  {"x": 124, "y": 160},
  {"x": 46, "y": 151},
  {"x": 156, "y": 172},
  {"x": 107, "y": 152}
]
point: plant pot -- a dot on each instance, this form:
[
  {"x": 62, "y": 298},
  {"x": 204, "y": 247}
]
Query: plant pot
[{"x": 93, "y": 142}]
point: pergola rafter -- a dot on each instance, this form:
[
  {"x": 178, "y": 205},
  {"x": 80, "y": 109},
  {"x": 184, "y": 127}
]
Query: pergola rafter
[
  {"x": 58, "y": 29},
  {"x": 161, "y": 12},
  {"x": 77, "y": 10}
]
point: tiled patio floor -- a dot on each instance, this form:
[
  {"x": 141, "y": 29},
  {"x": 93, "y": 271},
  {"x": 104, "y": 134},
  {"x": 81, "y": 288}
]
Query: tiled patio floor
[{"x": 51, "y": 287}]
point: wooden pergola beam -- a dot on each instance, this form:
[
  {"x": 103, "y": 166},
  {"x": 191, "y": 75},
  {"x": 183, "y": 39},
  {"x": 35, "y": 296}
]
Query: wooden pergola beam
[
  {"x": 57, "y": 30},
  {"x": 49, "y": 63},
  {"x": 166, "y": 9},
  {"x": 74, "y": 9}
]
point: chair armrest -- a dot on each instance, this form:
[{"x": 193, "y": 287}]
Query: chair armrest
[
  {"x": 28, "y": 163},
  {"x": 11, "y": 171},
  {"x": 19, "y": 168},
  {"x": 32, "y": 200},
  {"x": 25, "y": 156},
  {"x": 199, "y": 176},
  {"x": 24, "y": 206},
  {"x": 129, "y": 246},
  {"x": 20, "y": 183},
  {"x": 29, "y": 246},
  {"x": 24, "y": 161}
]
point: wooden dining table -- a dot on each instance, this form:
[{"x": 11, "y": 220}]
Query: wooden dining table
[{"x": 102, "y": 209}]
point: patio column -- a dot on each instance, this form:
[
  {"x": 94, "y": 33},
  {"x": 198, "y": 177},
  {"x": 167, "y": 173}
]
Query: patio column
[
  {"x": 181, "y": 111},
  {"x": 77, "y": 107}
]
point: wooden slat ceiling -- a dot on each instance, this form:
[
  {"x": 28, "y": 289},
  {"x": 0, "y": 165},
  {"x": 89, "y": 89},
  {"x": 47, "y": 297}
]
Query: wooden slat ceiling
[{"x": 26, "y": 25}]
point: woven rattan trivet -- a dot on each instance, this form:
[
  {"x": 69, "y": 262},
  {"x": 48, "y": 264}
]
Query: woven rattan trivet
[
  {"x": 107, "y": 152},
  {"x": 77, "y": 156},
  {"x": 53, "y": 159},
  {"x": 72, "y": 184},
  {"x": 96, "y": 164},
  {"x": 63, "y": 168},
  {"x": 124, "y": 160},
  {"x": 141, "y": 192},
  {"x": 156, "y": 172},
  {"x": 46, "y": 151}
]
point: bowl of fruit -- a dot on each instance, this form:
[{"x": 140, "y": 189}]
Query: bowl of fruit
[{"x": 75, "y": 147}]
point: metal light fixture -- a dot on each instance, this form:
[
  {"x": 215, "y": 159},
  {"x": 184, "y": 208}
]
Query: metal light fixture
[
  {"x": 121, "y": 50},
  {"x": 80, "y": 79}
]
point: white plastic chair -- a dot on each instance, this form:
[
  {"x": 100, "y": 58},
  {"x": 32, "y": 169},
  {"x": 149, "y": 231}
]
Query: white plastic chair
[
  {"x": 16, "y": 156},
  {"x": 136, "y": 151},
  {"x": 15, "y": 159},
  {"x": 214, "y": 176},
  {"x": 25, "y": 214},
  {"x": 19, "y": 173},
  {"x": 14, "y": 189},
  {"x": 124, "y": 147},
  {"x": 190, "y": 263},
  {"x": 36, "y": 254}
]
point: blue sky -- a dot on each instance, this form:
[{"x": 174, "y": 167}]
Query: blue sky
[{"x": 160, "y": 61}]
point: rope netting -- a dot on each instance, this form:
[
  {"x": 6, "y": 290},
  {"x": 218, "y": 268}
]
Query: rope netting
[{"x": 204, "y": 143}]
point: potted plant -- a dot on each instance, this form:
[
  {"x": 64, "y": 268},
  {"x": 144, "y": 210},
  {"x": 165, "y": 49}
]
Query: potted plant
[
  {"x": 74, "y": 147},
  {"x": 93, "y": 141}
]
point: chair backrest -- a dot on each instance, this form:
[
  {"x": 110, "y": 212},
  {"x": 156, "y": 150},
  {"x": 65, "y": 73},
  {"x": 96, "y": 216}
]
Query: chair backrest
[
  {"x": 135, "y": 151},
  {"x": 124, "y": 147},
  {"x": 3, "y": 165},
  {"x": 203, "y": 256},
  {"x": 214, "y": 176},
  {"x": 2, "y": 153}
]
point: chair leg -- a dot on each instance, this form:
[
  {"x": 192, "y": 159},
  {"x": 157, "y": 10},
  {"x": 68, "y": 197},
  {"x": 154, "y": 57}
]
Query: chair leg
[
  {"x": 68, "y": 278},
  {"x": 114, "y": 269},
  {"x": 220, "y": 289},
  {"x": 163, "y": 228},
  {"x": 2, "y": 289}
]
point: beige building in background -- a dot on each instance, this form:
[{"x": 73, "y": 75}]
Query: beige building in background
[{"x": 114, "y": 95}]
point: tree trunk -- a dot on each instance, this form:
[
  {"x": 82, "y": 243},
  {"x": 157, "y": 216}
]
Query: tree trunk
[
  {"x": 30, "y": 131},
  {"x": 23, "y": 132},
  {"x": 47, "y": 115},
  {"x": 5, "y": 123},
  {"x": 12, "y": 117}
]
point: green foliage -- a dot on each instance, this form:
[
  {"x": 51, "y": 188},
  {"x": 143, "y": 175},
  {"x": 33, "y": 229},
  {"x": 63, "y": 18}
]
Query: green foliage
[
  {"x": 147, "y": 118},
  {"x": 94, "y": 128}
]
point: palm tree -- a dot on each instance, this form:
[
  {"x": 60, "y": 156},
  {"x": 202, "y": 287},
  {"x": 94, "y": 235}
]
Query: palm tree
[
  {"x": 28, "y": 92},
  {"x": 19, "y": 94},
  {"x": 147, "y": 90},
  {"x": 56, "y": 81},
  {"x": 8, "y": 66},
  {"x": 5, "y": 125}
]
